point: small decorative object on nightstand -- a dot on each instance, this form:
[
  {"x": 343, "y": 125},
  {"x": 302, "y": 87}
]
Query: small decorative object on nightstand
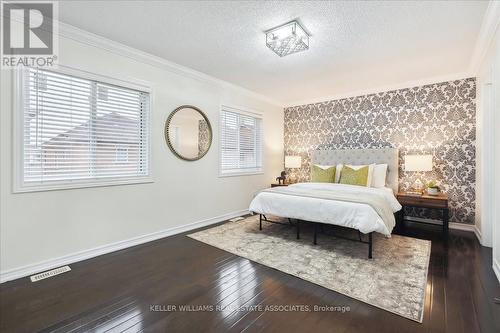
[
  {"x": 439, "y": 201},
  {"x": 433, "y": 188},
  {"x": 281, "y": 179},
  {"x": 278, "y": 184}
]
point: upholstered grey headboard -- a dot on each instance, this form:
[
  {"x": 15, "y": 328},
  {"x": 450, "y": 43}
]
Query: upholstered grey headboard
[{"x": 389, "y": 156}]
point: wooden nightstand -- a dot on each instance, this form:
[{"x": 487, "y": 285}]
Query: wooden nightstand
[
  {"x": 276, "y": 185},
  {"x": 439, "y": 201}
]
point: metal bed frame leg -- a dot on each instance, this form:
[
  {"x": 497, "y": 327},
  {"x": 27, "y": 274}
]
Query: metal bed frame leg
[
  {"x": 315, "y": 233},
  {"x": 370, "y": 235},
  {"x": 370, "y": 245}
]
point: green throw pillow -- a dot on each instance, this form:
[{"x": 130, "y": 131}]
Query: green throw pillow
[
  {"x": 319, "y": 175},
  {"x": 354, "y": 177}
]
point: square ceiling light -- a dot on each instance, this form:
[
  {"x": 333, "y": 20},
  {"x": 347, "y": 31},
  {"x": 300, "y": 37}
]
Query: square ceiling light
[{"x": 287, "y": 39}]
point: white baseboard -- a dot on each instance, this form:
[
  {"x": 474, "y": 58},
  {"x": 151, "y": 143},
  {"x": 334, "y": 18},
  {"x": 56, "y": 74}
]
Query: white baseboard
[
  {"x": 479, "y": 235},
  {"x": 496, "y": 269},
  {"x": 452, "y": 225},
  {"x": 27, "y": 270}
]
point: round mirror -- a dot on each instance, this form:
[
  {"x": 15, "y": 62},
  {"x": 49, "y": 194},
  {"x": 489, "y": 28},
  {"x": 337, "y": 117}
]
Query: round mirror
[{"x": 188, "y": 133}]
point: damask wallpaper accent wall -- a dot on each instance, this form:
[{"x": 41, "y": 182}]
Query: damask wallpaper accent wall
[{"x": 437, "y": 119}]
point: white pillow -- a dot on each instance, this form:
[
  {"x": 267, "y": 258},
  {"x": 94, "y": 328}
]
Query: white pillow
[
  {"x": 338, "y": 170},
  {"x": 379, "y": 175},
  {"x": 370, "y": 172}
]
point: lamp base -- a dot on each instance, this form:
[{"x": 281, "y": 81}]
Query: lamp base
[
  {"x": 292, "y": 178},
  {"x": 418, "y": 186},
  {"x": 414, "y": 193}
]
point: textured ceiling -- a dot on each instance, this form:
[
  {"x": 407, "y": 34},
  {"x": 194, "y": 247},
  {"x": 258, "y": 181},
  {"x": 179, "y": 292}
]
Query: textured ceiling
[{"x": 354, "y": 45}]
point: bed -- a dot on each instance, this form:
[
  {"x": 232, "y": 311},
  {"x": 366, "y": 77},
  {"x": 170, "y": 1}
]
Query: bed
[{"x": 365, "y": 209}]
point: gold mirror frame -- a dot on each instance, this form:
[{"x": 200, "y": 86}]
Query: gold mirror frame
[{"x": 167, "y": 132}]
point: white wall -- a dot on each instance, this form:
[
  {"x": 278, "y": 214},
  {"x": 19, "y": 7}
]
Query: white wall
[
  {"x": 41, "y": 226},
  {"x": 496, "y": 147},
  {"x": 484, "y": 150},
  {"x": 488, "y": 154}
]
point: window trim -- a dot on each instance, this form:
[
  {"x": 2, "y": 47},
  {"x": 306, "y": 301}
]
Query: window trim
[
  {"x": 245, "y": 112},
  {"x": 18, "y": 185}
]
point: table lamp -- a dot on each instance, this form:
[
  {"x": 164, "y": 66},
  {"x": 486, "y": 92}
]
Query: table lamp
[
  {"x": 293, "y": 162},
  {"x": 418, "y": 163}
]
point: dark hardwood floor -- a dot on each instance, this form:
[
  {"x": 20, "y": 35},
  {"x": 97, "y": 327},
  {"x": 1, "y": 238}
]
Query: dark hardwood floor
[{"x": 130, "y": 290}]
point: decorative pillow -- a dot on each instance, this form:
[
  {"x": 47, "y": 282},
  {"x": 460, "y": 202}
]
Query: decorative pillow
[
  {"x": 320, "y": 174},
  {"x": 350, "y": 176},
  {"x": 379, "y": 175},
  {"x": 337, "y": 170},
  {"x": 324, "y": 167},
  {"x": 371, "y": 167}
]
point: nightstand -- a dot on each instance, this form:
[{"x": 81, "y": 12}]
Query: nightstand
[
  {"x": 439, "y": 202},
  {"x": 276, "y": 185}
]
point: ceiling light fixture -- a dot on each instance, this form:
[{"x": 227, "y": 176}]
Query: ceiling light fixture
[{"x": 287, "y": 38}]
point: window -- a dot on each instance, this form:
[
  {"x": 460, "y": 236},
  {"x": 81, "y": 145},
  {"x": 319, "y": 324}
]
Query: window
[
  {"x": 241, "y": 142},
  {"x": 80, "y": 131},
  {"x": 121, "y": 154}
]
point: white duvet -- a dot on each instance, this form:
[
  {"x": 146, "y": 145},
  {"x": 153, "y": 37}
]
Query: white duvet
[{"x": 348, "y": 214}]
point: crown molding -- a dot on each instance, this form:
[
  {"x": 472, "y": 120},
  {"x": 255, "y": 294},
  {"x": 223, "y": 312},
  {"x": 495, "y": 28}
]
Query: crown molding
[
  {"x": 82, "y": 36},
  {"x": 489, "y": 26},
  {"x": 386, "y": 88}
]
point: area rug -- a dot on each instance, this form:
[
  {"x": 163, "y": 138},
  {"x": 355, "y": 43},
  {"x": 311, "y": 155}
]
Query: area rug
[{"x": 394, "y": 280}]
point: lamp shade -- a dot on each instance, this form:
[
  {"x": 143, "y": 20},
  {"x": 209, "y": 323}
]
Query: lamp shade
[
  {"x": 293, "y": 162},
  {"x": 418, "y": 163}
]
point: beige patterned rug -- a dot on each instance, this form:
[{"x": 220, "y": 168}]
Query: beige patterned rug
[{"x": 394, "y": 280}]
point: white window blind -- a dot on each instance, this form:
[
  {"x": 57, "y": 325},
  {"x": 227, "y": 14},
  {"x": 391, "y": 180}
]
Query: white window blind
[
  {"x": 241, "y": 143},
  {"x": 77, "y": 130}
]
